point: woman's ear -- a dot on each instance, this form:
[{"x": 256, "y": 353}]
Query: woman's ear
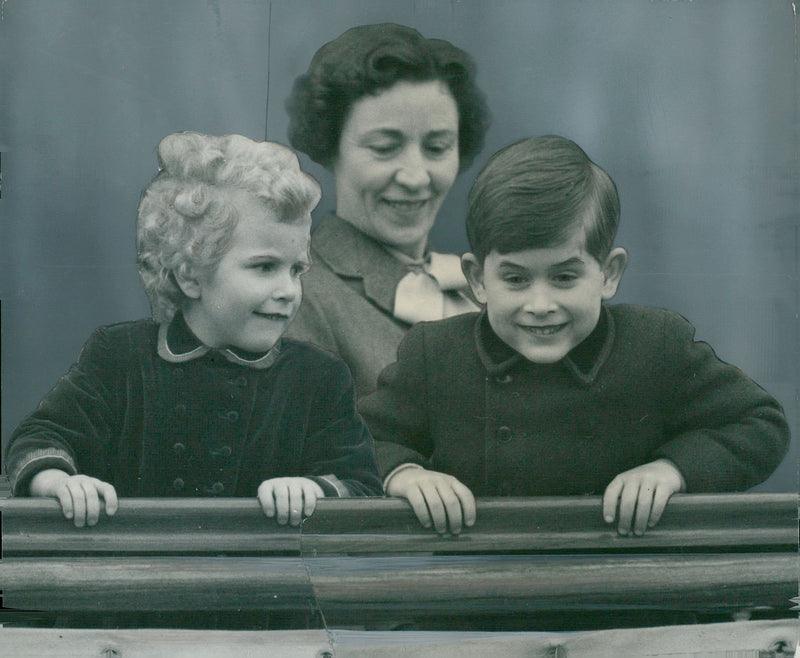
[
  {"x": 613, "y": 267},
  {"x": 473, "y": 270},
  {"x": 187, "y": 281}
]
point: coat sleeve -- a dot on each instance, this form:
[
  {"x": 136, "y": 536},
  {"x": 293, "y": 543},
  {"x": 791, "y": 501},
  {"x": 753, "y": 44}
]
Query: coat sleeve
[
  {"x": 339, "y": 452},
  {"x": 397, "y": 412},
  {"x": 71, "y": 428},
  {"x": 728, "y": 433}
]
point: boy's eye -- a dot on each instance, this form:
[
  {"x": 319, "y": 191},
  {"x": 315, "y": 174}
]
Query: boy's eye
[
  {"x": 514, "y": 279},
  {"x": 565, "y": 277}
]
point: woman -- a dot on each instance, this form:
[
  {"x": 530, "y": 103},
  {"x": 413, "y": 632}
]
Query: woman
[{"x": 395, "y": 117}]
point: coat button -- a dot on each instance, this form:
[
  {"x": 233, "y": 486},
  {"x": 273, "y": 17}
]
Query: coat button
[
  {"x": 217, "y": 488},
  {"x": 504, "y": 434},
  {"x": 178, "y": 448},
  {"x": 224, "y": 451},
  {"x": 504, "y": 379},
  {"x": 177, "y": 484},
  {"x": 232, "y": 416}
]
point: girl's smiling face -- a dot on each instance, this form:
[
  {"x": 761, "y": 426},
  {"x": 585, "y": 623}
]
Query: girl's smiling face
[
  {"x": 397, "y": 160},
  {"x": 544, "y": 302},
  {"x": 248, "y": 300}
]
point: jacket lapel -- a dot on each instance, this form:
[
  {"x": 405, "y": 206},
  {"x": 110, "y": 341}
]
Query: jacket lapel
[{"x": 352, "y": 254}]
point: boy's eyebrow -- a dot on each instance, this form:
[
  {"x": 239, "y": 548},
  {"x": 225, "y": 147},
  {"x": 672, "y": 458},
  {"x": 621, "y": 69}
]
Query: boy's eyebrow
[{"x": 575, "y": 260}]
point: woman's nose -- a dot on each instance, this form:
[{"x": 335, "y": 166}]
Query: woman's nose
[{"x": 412, "y": 171}]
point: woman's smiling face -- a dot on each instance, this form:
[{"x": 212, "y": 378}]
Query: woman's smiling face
[{"x": 397, "y": 159}]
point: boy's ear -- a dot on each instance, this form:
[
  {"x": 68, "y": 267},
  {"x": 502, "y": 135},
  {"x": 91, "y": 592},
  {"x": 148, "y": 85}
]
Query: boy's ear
[
  {"x": 473, "y": 270},
  {"x": 187, "y": 281},
  {"x": 614, "y": 266}
]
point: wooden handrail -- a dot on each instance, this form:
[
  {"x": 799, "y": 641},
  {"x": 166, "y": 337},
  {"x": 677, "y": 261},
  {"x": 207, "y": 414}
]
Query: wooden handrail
[
  {"x": 370, "y": 558},
  {"x": 743, "y": 521}
]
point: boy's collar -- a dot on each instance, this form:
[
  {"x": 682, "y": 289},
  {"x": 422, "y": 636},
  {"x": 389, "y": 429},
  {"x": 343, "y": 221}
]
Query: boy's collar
[
  {"x": 177, "y": 344},
  {"x": 584, "y": 361}
]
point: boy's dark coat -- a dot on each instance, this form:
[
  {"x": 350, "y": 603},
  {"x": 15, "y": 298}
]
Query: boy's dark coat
[{"x": 459, "y": 401}]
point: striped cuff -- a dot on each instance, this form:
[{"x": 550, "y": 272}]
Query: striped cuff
[{"x": 20, "y": 474}]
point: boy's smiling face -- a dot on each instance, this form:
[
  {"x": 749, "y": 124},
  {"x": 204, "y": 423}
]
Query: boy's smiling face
[
  {"x": 544, "y": 302},
  {"x": 249, "y": 299}
]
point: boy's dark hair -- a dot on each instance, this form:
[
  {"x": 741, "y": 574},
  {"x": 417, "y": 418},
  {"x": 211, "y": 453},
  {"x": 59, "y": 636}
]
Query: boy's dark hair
[
  {"x": 535, "y": 193},
  {"x": 367, "y": 60}
]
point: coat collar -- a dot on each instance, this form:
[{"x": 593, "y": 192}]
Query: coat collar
[
  {"x": 354, "y": 255},
  {"x": 177, "y": 344},
  {"x": 583, "y": 362}
]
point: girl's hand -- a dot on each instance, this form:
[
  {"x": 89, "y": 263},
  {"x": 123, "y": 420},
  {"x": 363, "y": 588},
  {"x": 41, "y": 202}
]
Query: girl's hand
[
  {"x": 289, "y": 499},
  {"x": 642, "y": 494},
  {"x": 436, "y": 498},
  {"x": 79, "y": 495}
]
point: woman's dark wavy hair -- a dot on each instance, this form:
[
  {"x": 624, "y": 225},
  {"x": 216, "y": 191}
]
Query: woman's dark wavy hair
[
  {"x": 535, "y": 193},
  {"x": 366, "y": 60}
]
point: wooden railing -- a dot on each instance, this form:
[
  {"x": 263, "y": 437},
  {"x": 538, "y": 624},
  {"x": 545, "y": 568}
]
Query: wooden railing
[{"x": 369, "y": 561}]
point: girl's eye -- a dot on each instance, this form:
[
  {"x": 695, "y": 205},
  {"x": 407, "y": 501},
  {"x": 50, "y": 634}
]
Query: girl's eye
[
  {"x": 299, "y": 270},
  {"x": 264, "y": 267}
]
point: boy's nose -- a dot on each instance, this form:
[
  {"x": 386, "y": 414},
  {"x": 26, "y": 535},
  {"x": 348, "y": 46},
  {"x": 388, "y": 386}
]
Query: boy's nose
[
  {"x": 412, "y": 171},
  {"x": 540, "y": 301}
]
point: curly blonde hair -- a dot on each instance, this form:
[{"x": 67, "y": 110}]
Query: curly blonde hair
[{"x": 186, "y": 218}]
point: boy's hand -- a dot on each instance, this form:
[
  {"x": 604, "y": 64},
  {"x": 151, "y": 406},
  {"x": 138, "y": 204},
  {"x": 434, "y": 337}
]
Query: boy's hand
[
  {"x": 436, "y": 498},
  {"x": 79, "y": 495},
  {"x": 642, "y": 493},
  {"x": 289, "y": 499}
]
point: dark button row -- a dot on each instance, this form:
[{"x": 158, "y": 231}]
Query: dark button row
[
  {"x": 225, "y": 451},
  {"x": 215, "y": 489}
]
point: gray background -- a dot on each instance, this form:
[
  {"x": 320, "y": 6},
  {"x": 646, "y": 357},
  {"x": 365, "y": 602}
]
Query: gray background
[{"x": 690, "y": 106}]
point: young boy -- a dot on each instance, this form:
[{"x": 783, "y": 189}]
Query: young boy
[
  {"x": 549, "y": 392},
  {"x": 205, "y": 399}
]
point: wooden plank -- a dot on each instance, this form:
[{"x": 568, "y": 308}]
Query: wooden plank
[
  {"x": 552, "y": 524},
  {"x": 36, "y": 526},
  {"x": 511, "y": 583},
  {"x": 141, "y": 643},
  {"x": 106, "y": 584},
  {"x": 382, "y": 586},
  {"x": 735, "y": 639},
  {"x": 375, "y": 526}
]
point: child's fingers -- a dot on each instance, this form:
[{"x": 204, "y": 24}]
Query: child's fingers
[
  {"x": 644, "y": 504},
  {"x": 295, "y": 490},
  {"x": 266, "y": 499},
  {"x": 92, "y": 501},
  {"x": 611, "y": 498},
  {"x": 311, "y": 493},
  {"x": 435, "y": 506},
  {"x": 280, "y": 492},
  {"x": 452, "y": 507},
  {"x": 467, "y": 501},
  {"x": 417, "y": 501},
  {"x": 627, "y": 507},
  {"x": 109, "y": 495},
  {"x": 65, "y": 500},
  {"x": 78, "y": 502},
  {"x": 660, "y": 500}
]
